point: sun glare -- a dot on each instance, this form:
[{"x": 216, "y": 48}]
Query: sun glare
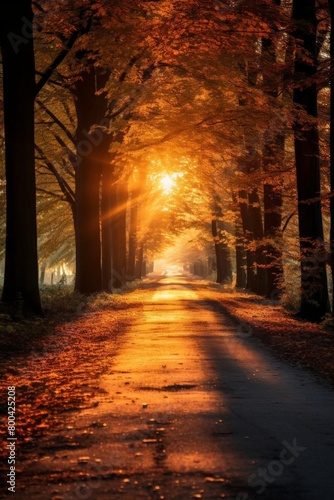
[{"x": 167, "y": 183}]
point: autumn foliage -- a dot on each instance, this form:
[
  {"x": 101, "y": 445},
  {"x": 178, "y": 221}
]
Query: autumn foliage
[{"x": 230, "y": 99}]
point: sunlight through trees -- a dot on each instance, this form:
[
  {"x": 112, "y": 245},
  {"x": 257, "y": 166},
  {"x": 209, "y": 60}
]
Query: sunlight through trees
[{"x": 203, "y": 129}]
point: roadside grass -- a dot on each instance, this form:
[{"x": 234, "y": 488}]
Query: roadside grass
[{"x": 61, "y": 304}]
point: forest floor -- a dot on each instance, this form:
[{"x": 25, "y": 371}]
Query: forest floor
[{"x": 169, "y": 391}]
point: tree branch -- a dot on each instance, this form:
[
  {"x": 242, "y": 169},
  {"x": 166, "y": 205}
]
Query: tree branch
[
  {"x": 50, "y": 193},
  {"x": 70, "y": 153},
  {"x": 288, "y": 220},
  {"x": 64, "y": 186},
  {"x": 171, "y": 135},
  {"x": 60, "y": 57},
  {"x": 57, "y": 121}
]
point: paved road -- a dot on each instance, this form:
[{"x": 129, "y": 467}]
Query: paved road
[{"x": 193, "y": 409}]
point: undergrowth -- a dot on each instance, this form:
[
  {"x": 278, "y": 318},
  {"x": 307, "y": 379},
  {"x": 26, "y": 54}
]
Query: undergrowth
[{"x": 61, "y": 304}]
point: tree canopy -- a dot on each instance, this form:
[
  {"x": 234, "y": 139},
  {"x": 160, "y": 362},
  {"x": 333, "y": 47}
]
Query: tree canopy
[{"x": 166, "y": 124}]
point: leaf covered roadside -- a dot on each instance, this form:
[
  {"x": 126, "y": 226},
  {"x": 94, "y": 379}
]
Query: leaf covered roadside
[
  {"x": 304, "y": 345},
  {"x": 54, "y": 363}
]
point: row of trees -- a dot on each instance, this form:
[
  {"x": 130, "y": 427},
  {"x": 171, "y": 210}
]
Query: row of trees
[{"x": 223, "y": 95}]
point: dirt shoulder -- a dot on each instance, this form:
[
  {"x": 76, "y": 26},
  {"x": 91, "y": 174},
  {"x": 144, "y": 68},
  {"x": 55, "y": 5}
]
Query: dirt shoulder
[
  {"x": 302, "y": 344},
  {"x": 55, "y": 362}
]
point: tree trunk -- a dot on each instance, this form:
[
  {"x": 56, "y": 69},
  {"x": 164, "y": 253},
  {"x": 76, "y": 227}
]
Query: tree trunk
[
  {"x": 273, "y": 155},
  {"x": 222, "y": 251},
  {"x": 241, "y": 258},
  {"x": 240, "y": 247},
  {"x": 143, "y": 269},
  {"x": 119, "y": 203},
  {"x": 218, "y": 252},
  {"x": 331, "y": 6},
  {"x": 42, "y": 274},
  {"x": 92, "y": 147},
  {"x": 133, "y": 226},
  {"x": 259, "y": 282},
  {"x": 314, "y": 293},
  {"x": 87, "y": 227},
  {"x": 272, "y": 233},
  {"x": 21, "y": 265},
  {"x": 140, "y": 259},
  {"x": 248, "y": 236},
  {"x": 227, "y": 264},
  {"x": 106, "y": 227}
]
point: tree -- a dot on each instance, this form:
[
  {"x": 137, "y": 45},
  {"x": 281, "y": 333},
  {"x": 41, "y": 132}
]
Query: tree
[
  {"x": 331, "y": 7},
  {"x": 273, "y": 157},
  {"x": 21, "y": 264},
  {"x": 91, "y": 108},
  {"x": 19, "y": 93},
  {"x": 136, "y": 186},
  {"x": 314, "y": 293},
  {"x": 119, "y": 198}
]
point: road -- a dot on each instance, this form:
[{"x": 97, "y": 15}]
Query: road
[{"x": 192, "y": 408}]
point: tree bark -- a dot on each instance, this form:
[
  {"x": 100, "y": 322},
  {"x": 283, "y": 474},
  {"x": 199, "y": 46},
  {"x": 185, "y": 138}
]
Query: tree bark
[
  {"x": 219, "y": 257},
  {"x": 248, "y": 237},
  {"x": 272, "y": 232},
  {"x": 255, "y": 215},
  {"x": 240, "y": 246},
  {"x": 241, "y": 258},
  {"x": 133, "y": 227},
  {"x": 140, "y": 260},
  {"x": 92, "y": 147},
  {"x": 87, "y": 228},
  {"x": 273, "y": 156},
  {"x": 223, "y": 257},
  {"x": 21, "y": 265},
  {"x": 314, "y": 293},
  {"x": 106, "y": 226},
  {"x": 119, "y": 204},
  {"x": 331, "y": 6},
  {"x": 42, "y": 273}
]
